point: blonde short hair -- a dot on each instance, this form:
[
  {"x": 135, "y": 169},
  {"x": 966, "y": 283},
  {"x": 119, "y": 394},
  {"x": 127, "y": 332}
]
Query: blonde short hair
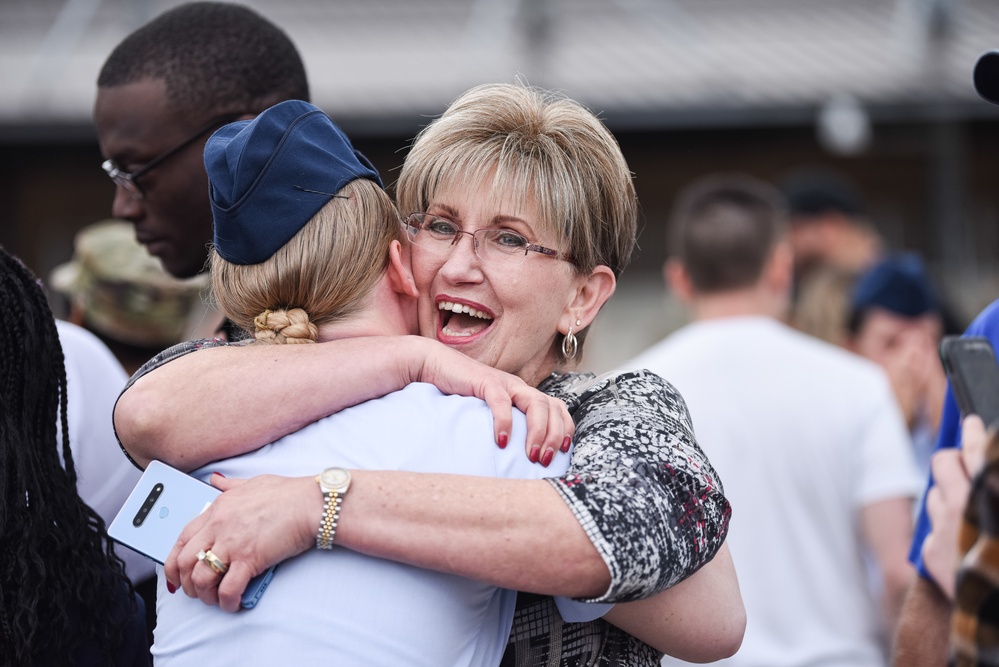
[
  {"x": 323, "y": 274},
  {"x": 541, "y": 145}
]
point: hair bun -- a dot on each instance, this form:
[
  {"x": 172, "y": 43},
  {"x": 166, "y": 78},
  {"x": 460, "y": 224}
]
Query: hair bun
[{"x": 285, "y": 326}]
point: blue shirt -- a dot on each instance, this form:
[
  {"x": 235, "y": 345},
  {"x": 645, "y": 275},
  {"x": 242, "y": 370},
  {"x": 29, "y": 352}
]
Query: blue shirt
[
  {"x": 987, "y": 325},
  {"x": 341, "y": 607}
]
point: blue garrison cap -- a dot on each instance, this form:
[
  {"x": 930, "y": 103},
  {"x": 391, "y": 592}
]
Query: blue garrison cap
[
  {"x": 986, "y": 76},
  {"x": 899, "y": 284},
  {"x": 269, "y": 176}
]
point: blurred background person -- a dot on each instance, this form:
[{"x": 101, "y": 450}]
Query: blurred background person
[
  {"x": 808, "y": 438},
  {"x": 122, "y": 309},
  {"x": 924, "y": 628},
  {"x": 832, "y": 242},
  {"x": 122, "y": 294},
  {"x": 104, "y": 476},
  {"x": 163, "y": 90},
  {"x": 823, "y": 306},
  {"x": 959, "y": 550},
  {"x": 897, "y": 322},
  {"x": 828, "y": 222},
  {"x": 64, "y": 597}
]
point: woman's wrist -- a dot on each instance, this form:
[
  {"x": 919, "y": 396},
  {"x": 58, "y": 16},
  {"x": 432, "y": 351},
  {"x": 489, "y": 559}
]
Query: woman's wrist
[{"x": 310, "y": 512}]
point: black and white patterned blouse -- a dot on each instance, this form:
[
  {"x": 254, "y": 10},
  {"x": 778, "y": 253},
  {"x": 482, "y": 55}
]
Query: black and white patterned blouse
[
  {"x": 647, "y": 497},
  {"x": 642, "y": 490}
]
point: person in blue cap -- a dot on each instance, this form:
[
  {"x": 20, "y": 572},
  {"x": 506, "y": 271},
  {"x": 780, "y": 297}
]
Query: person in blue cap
[
  {"x": 896, "y": 321},
  {"x": 925, "y": 629},
  {"x": 521, "y": 213},
  {"x": 308, "y": 249}
]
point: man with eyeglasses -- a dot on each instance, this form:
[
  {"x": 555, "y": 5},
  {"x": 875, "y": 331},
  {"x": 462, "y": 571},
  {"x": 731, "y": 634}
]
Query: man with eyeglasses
[{"x": 163, "y": 90}]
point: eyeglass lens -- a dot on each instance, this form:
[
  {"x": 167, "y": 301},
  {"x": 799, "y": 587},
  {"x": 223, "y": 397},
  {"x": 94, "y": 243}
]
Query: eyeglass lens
[
  {"x": 490, "y": 245},
  {"x": 129, "y": 181}
]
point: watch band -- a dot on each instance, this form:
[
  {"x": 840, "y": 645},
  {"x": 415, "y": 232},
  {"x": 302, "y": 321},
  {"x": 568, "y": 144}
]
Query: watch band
[
  {"x": 331, "y": 514},
  {"x": 333, "y": 482}
]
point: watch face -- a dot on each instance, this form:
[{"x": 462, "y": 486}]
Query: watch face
[{"x": 336, "y": 479}]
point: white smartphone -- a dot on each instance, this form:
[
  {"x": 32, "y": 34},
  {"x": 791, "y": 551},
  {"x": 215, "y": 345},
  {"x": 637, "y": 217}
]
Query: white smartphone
[{"x": 161, "y": 504}]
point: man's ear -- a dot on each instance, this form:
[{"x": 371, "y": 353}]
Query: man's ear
[
  {"x": 678, "y": 280},
  {"x": 591, "y": 294},
  {"x": 400, "y": 271}
]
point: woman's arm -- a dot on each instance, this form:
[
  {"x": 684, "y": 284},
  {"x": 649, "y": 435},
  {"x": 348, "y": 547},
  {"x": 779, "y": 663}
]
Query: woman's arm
[
  {"x": 190, "y": 409},
  {"x": 640, "y": 487},
  {"x": 638, "y": 483},
  {"x": 701, "y": 619},
  {"x": 512, "y": 533}
]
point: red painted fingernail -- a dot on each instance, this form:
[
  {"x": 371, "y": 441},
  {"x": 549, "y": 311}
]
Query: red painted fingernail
[
  {"x": 565, "y": 444},
  {"x": 171, "y": 587},
  {"x": 549, "y": 455},
  {"x": 216, "y": 472},
  {"x": 535, "y": 453},
  {"x": 503, "y": 440}
]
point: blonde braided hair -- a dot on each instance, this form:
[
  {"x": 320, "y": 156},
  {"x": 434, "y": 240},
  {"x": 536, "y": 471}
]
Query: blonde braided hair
[{"x": 284, "y": 326}]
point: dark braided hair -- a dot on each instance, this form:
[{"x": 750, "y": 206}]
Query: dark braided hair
[
  {"x": 215, "y": 58},
  {"x": 60, "y": 581}
]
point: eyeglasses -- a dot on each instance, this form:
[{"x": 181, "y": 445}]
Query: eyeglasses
[
  {"x": 130, "y": 181},
  {"x": 439, "y": 235}
]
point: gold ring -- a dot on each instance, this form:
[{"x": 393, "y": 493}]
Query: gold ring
[{"x": 213, "y": 562}]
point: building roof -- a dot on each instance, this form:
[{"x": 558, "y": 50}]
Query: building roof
[{"x": 645, "y": 63}]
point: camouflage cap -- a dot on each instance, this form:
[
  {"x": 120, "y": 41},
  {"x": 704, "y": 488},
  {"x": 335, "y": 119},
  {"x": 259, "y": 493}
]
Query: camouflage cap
[{"x": 122, "y": 291}]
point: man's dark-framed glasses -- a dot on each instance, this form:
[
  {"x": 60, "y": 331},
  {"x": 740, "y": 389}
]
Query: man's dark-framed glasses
[
  {"x": 496, "y": 246},
  {"x": 130, "y": 181}
]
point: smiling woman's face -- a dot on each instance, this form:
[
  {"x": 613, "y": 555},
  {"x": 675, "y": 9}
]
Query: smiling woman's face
[{"x": 507, "y": 317}]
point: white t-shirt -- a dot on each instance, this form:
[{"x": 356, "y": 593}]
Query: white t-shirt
[
  {"x": 105, "y": 477},
  {"x": 339, "y": 607},
  {"x": 802, "y": 434}
]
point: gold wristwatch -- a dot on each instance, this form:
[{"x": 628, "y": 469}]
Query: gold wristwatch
[{"x": 334, "y": 483}]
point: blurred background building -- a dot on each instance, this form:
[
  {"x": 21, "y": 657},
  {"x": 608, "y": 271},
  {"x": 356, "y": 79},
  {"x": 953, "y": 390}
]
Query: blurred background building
[{"x": 879, "y": 90}]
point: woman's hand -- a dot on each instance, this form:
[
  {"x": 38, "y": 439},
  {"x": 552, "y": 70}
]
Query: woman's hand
[
  {"x": 253, "y": 525},
  {"x": 549, "y": 426},
  {"x": 953, "y": 470}
]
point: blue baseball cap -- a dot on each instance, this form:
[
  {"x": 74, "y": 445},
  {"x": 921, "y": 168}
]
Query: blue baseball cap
[
  {"x": 899, "y": 284},
  {"x": 268, "y": 176}
]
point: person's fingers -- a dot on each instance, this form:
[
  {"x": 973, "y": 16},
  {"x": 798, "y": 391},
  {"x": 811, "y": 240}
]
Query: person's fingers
[
  {"x": 224, "y": 483},
  {"x": 189, "y": 563},
  {"x": 939, "y": 550},
  {"x": 974, "y": 443},
  {"x": 501, "y": 405},
  {"x": 538, "y": 419},
  {"x": 935, "y": 505},
  {"x": 173, "y": 565},
  {"x": 568, "y": 426},
  {"x": 230, "y": 590},
  {"x": 205, "y": 580},
  {"x": 555, "y": 438},
  {"x": 549, "y": 429},
  {"x": 951, "y": 478}
]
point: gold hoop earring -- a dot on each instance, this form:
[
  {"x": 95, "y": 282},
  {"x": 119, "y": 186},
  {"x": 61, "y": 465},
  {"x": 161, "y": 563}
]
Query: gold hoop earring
[{"x": 569, "y": 344}]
